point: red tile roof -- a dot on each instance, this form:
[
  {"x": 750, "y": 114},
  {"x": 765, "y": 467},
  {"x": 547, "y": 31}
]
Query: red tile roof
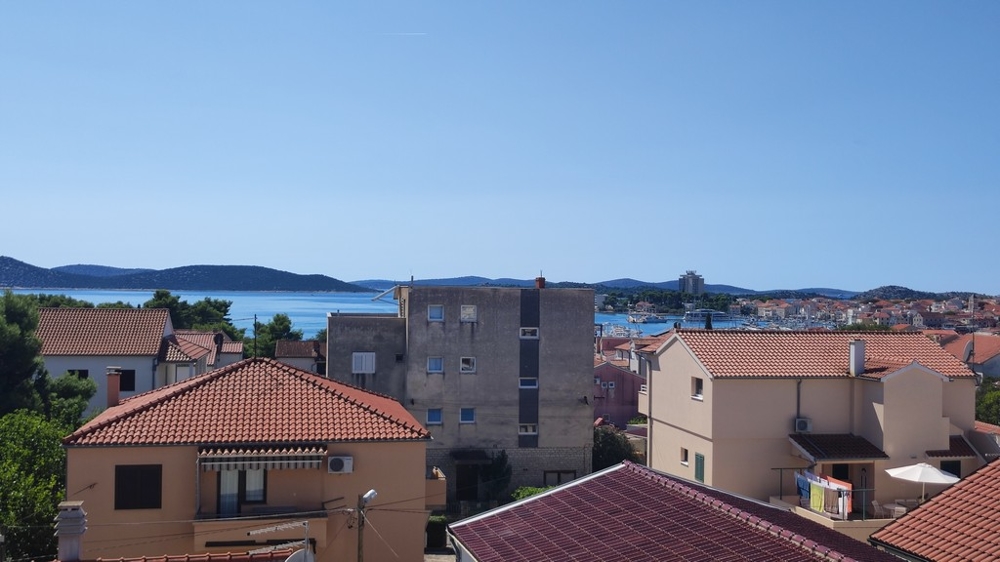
[
  {"x": 631, "y": 513},
  {"x": 272, "y": 556},
  {"x": 310, "y": 349},
  {"x": 203, "y": 339},
  {"x": 986, "y": 427},
  {"x": 961, "y": 523},
  {"x": 736, "y": 354},
  {"x": 253, "y": 401},
  {"x": 102, "y": 331}
]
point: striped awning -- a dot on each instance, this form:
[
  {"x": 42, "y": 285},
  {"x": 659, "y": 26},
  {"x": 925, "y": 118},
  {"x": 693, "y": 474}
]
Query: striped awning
[{"x": 268, "y": 459}]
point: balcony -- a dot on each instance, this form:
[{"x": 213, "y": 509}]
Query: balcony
[
  {"x": 858, "y": 525},
  {"x": 225, "y": 533}
]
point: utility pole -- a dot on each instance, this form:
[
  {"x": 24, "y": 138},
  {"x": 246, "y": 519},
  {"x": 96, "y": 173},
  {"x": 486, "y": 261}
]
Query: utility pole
[{"x": 362, "y": 502}]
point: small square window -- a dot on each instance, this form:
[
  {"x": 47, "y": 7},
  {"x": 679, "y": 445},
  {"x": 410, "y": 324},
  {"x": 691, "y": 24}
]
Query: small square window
[
  {"x": 527, "y": 429},
  {"x": 435, "y": 364},
  {"x": 127, "y": 380},
  {"x": 529, "y": 333},
  {"x": 363, "y": 363},
  {"x": 468, "y": 365},
  {"x": 597, "y": 380},
  {"x": 80, "y": 373},
  {"x": 435, "y": 313},
  {"x": 604, "y": 385},
  {"x": 467, "y": 415},
  {"x": 697, "y": 388},
  {"x": 434, "y": 416},
  {"x": 467, "y": 313},
  {"x": 684, "y": 456},
  {"x": 525, "y": 382},
  {"x": 611, "y": 384}
]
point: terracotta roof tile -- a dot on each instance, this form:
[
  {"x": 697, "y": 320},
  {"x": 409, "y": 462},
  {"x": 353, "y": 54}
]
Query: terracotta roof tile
[
  {"x": 960, "y": 523},
  {"x": 841, "y": 446},
  {"x": 102, "y": 331},
  {"x": 958, "y": 447},
  {"x": 632, "y": 513},
  {"x": 308, "y": 348},
  {"x": 262, "y": 402},
  {"x": 232, "y": 347},
  {"x": 735, "y": 354},
  {"x": 203, "y": 339},
  {"x": 986, "y": 427}
]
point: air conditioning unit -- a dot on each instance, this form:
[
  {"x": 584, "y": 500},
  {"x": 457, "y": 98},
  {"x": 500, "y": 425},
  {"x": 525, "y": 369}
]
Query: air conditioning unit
[
  {"x": 340, "y": 465},
  {"x": 803, "y": 425}
]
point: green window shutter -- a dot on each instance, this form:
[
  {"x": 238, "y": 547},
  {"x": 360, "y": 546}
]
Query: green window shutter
[{"x": 699, "y": 467}]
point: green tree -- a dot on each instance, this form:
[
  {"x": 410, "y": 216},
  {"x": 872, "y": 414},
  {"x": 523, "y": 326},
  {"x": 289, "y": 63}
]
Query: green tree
[
  {"x": 988, "y": 403},
  {"x": 611, "y": 447},
  {"x": 32, "y": 465},
  {"x": 58, "y": 301},
  {"x": 66, "y": 398},
  {"x": 320, "y": 335},
  {"x": 261, "y": 343},
  {"x": 208, "y": 315},
  {"x": 20, "y": 364}
]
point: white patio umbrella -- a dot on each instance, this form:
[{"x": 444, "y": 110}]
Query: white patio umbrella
[{"x": 923, "y": 473}]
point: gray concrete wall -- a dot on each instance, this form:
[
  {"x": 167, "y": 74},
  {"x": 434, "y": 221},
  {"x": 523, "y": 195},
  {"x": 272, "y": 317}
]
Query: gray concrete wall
[{"x": 383, "y": 334}]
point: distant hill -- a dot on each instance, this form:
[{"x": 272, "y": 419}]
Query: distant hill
[
  {"x": 97, "y": 270},
  {"x": 14, "y": 273}
]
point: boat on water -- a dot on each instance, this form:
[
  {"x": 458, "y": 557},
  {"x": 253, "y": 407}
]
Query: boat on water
[
  {"x": 646, "y": 318},
  {"x": 699, "y": 315}
]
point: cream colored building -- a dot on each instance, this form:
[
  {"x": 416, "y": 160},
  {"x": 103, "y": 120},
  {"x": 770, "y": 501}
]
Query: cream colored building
[
  {"x": 741, "y": 410},
  {"x": 211, "y": 463}
]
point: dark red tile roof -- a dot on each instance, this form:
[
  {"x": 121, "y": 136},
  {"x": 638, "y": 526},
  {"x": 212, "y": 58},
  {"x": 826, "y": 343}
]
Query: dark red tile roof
[
  {"x": 631, "y": 513},
  {"x": 102, "y": 331},
  {"x": 958, "y": 447},
  {"x": 309, "y": 348},
  {"x": 836, "y": 446},
  {"x": 961, "y": 523},
  {"x": 253, "y": 401},
  {"x": 736, "y": 354}
]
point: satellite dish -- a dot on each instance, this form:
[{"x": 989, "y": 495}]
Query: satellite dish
[{"x": 301, "y": 555}]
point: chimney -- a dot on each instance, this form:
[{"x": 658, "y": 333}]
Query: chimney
[
  {"x": 71, "y": 523},
  {"x": 114, "y": 376},
  {"x": 857, "y": 357},
  {"x": 539, "y": 282}
]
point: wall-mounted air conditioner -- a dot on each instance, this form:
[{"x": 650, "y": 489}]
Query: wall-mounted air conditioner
[
  {"x": 340, "y": 465},
  {"x": 803, "y": 425}
]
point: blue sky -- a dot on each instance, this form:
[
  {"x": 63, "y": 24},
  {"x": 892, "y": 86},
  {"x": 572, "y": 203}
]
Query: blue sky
[{"x": 765, "y": 144}]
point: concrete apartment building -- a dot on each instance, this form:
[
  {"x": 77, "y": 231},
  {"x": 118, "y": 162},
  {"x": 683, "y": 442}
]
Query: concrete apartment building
[
  {"x": 485, "y": 369},
  {"x": 691, "y": 283}
]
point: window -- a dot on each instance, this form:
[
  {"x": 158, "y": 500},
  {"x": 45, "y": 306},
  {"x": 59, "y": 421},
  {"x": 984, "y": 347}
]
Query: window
[
  {"x": 138, "y": 486},
  {"x": 699, "y": 467},
  {"x": 597, "y": 380},
  {"x": 953, "y": 467},
  {"x": 81, "y": 373},
  {"x": 127, "y": 381},
  {"x": 435, "y": 364},
  {"x": 468, "y": 365},
  {"x": 434, "y": 416},
  {"x": 467, "y": 415},
  {"x": 697, "y": 387},
  {"x": 527, "y": 429},
  {"x": 525, "y": 382},
  {"x": 556, "y": 477},
  {"x": 238, "y": 487},
  {"x": 467, "y": 313},
  {"x": 435, "y": 313},
  {"x": 529, "y": 333},
  {"x": 611, "y": 384},
  {"x": 363, "y": 363},
  {"x": 604, "y": 385},
  {"x": 684, "y": 456}
]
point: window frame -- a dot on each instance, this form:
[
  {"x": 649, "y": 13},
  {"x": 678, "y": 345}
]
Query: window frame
[
  {"x": 134, "y": 486},
  {"x": 79, "y": 373},
  {"x": 127, "y": 376},
  {"x": 433, "y": 316},
  {"x": 527, "y": 429},
  {"x": 440, "y": 416},
  {"x": 462, "y": 415},
  {"x": 462, "y": 368},
  {"x": 528, "y": 333},
  {"x": 439, "y": 364},
  {"x": 685, "y": 455},
  {"x": 697, "y": 388},
  {"x": 465, "y": 315},
  {"x": 951, "y": 462},
  {"x": 699, "y": 467},
  {"x": 521, "y": 382},
  {"x": 364, "y": 357},
  {"x": 559, "y": 474}
]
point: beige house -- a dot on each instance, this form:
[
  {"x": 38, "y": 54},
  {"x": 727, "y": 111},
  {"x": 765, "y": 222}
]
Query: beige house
[
  {"x": 141, "y": 342},
  {"x": 741, "y": 411},
  {"x": 210, "y": 464}
]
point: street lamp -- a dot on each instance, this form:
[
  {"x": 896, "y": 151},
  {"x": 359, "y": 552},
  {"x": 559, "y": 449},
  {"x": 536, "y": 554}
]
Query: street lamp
[{"x": 362, "y": 502}]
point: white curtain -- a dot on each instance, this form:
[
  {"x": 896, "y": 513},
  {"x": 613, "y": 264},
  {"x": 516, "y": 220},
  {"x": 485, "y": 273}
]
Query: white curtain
[
  {"x": 229, "y": 492},
  {"x": 255, "y": 485}
]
